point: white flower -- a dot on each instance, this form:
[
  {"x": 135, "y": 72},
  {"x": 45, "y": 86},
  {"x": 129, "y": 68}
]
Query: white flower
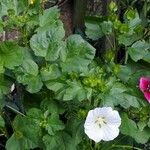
[{"x": 102, "y": 124}]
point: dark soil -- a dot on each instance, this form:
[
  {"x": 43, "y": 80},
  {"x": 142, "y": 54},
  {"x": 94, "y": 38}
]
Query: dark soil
[{"x": 2, "y": 142}]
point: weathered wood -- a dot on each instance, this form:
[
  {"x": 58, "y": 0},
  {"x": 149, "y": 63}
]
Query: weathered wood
[{"x": 79, "y": 14}]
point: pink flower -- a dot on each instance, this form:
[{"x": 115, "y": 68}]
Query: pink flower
[{"x": 145, "y": 87}]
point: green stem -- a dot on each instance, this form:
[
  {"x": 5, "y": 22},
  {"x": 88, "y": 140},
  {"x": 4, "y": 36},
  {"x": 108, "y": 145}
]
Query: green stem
[
  {"x": 90, "y": 144},
  {"x": 96, "y": 146},
  {"x": 127, "y": 146},
  {"x": 126, "y": 57},
  {"x": 110, "y": 42}
]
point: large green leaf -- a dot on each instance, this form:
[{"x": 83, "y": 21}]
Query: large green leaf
[
  {"x": 60, "y": 141},
  {"x": 75, "y": 90},
  {"x": 79, "y": 55},
  {"x": 129, "y": 127},
  {"x": 54, "y": 124},
  {"x": 30, "y": 67},
  {"x": 28, "y": 75},
  {"x": 27, "y": 134},
  {"x": 128, "y": 39},
  {"x": 49, "y": 16},
  {"x": 49, "y": 121},
  {"x": 48, "y": 40},
  {"x": 69, "y": 90},
  {"x": 16, "y": 5},
  {"x": 34, "y": 83},
  {"x": 139, "y": 50},
  {"x": 14, "y": 143},
  {"x": 119, "y": 95},
  {"x": 11, "y": 55}
]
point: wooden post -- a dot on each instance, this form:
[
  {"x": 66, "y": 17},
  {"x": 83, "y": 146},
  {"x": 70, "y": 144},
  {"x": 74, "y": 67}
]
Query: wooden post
[{"x": 79, "y": 14}]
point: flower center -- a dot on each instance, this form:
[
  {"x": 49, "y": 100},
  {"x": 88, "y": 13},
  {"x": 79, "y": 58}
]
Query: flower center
[
  {"x": 148, "y": 88},
  {"x": 100, "y": 121}
]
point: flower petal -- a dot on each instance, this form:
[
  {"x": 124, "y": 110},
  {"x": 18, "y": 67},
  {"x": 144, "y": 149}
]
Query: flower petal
[
  {"x": 113, "y": 118},
  {"x": 91, "y": 116},
  {"x": 110, "y": 132},
  {"x": 93, "y": 132},
  {"x": 147, "y": 96},
  {"x": 144, "y": 81},
  {"x": 102, "y": 112}
]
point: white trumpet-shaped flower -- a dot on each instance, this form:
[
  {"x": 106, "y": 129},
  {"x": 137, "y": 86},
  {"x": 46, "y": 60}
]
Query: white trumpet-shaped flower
[{"x": 102, "y": 124}]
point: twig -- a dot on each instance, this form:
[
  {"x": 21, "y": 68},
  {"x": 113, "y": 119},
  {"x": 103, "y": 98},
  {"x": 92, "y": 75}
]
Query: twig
[{"x": 127, "y": 146}]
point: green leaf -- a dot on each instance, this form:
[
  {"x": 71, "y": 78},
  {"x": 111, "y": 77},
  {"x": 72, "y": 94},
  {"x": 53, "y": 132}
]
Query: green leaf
[
  {"x": 147, "y": 57},
  {"x": 130, "y": 14},
  {"x": 128, "y": 38},
  {"x": 27, "y": 134},
  {"x": 79, "y": 55},
  {"x": 49, "y": 121},
  {"x": 119, "y": 95},
  {"x": 35, "y": 113},
  {"x": 52, "y": 106},
  {"x": 106, "y": 27},
  {"x": 55, "y": 86},
  {"x": 135, "y": 22},
  {"x": 93, "y": 30},
  {"x": 113, "y": 6},
  {"x": 54, "y": 124},
  {"x": 28, "y": 75},
  {"x": 60, "y": 141},
  {"x": 29, "y": 127},
  {"x": 132, "y": 72},
  {"x": 138, "y": 50},
  {"x": 49, "y": 16},
  {"x": 71, "y": 90},
  {"x": 14, "y": 143},
  {"x": 141, "y": 125},
  {"x": 76, "y": 129},
  {"x": 75, "y": 91},
  {"x": 5, "y": 86},
  {"x": 30, "y": 67},
  {"x": 48, "y": 40},
  {"x": 142, "y": 136},
  {"x": 17, "y": 5},
  {"x": 2, "y": 123},
  {"x": 50, "y": 72},
  {"x": 33, "y": 83},
  {"x": 11, "y": 55},
  {"x": 129, "y": 127}
]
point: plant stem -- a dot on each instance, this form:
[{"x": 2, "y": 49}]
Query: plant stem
[
  {"x": 110, "y": 42},
  {"x": 126, "y": 57},
  {"x": 127, "y": 146}
]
